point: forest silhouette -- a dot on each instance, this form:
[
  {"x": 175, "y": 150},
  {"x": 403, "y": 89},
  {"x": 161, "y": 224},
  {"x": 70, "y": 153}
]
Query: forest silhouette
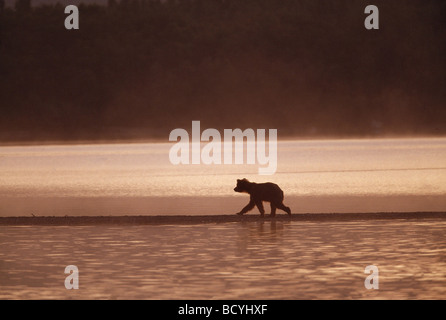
[{"x": 136, "y": 69}]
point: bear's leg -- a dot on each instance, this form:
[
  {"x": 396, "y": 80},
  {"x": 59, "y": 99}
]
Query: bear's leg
[
  {"x": 284, "y": 208},
  {"x": 273, "y": 209},
  {"x": 248, "y": 207},
  {"x": 259, "y": 205}
]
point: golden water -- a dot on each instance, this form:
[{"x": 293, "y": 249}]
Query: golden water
[
  {"x": 317, "y": 176},
  {"x": 256, "y": 260}
]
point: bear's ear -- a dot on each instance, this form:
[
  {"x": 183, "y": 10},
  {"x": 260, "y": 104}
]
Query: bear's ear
[
  {"x": 238, "y": 180},
  {"x": 244, "y": 179}
]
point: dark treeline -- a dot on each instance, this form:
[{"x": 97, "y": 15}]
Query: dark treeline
[{"x": 140, "y": 68}]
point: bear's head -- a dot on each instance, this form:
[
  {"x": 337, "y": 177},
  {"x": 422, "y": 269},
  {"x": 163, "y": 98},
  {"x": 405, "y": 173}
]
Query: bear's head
[{"x": 243, "y": 185}]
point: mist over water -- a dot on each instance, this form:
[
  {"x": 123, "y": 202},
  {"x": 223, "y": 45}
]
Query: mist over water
[{"x": 316, "y": 176}]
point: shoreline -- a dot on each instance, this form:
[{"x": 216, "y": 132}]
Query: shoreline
[{"x": 203, "y": 219}]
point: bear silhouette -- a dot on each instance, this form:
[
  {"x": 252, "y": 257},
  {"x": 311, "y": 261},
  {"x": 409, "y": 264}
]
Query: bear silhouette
[{"x": 259, "y": 192}]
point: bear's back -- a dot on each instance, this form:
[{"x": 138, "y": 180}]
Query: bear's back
[{"x": 267, "y": 191}]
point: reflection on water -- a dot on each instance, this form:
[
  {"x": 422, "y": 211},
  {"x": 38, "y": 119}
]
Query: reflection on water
[
  {"x": 138, "y": 178},
  {"x": 327, "y": 167},
  {"x": 255, "y": 260}
]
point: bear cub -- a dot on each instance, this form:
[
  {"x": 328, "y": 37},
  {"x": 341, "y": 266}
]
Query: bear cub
[{"x": 269, "y": 192}]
